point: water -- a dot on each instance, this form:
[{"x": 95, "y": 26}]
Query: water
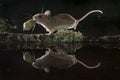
[{"x": 16, "y": 61}]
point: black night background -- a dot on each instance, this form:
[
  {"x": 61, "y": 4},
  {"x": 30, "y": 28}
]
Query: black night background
[
  {"x": 18, "y": 11},
  {"x": 97, "y": 43}
]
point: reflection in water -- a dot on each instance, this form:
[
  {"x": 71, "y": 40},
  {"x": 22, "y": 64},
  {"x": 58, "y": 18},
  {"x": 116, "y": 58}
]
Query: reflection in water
[
  {"x": 56, "y": 57},
  {"x": 69, "y": 47},
  {"x": 13, "y": 67},
  {"x": 59, "y": 59},
  {"x": 28, "y": 56}
]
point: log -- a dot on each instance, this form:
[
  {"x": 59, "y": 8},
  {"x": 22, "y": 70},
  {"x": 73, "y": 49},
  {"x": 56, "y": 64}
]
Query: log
[
  {"x": 59, "y": 36},
  {"x": 34, "y": 41}
]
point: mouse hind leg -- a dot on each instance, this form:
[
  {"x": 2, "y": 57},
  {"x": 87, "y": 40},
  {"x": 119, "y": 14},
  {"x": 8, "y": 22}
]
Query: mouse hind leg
[{"x": 75, "y": 25}]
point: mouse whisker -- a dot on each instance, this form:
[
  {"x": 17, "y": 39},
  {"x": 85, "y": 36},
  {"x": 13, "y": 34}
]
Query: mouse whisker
[{"x": 42, "y": 10}]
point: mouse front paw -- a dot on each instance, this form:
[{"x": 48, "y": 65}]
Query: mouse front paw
[{"x": 74, "y": 28}]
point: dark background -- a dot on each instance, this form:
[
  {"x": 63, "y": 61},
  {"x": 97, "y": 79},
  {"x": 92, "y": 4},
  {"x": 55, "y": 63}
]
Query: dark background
[
  {"x": 12, "y": 66},
  {"x": 18, "y": 11}
]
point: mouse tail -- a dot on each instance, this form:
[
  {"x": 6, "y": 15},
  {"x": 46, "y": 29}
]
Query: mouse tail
[
  {"x": 89, "y": 67},
  {"x": 90, "y": 12}
]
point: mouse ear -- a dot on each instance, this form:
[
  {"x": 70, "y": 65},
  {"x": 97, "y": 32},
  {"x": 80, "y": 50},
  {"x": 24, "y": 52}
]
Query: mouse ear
[{"x": 47, "y": 12}]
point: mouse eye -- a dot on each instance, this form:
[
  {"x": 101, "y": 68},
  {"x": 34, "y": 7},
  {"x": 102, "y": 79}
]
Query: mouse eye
[{"x": 40, "y": 16}]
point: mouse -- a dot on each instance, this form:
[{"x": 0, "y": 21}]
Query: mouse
[
  {"x": 59, "y": 21},
  {"x": 58, "y": 59}
]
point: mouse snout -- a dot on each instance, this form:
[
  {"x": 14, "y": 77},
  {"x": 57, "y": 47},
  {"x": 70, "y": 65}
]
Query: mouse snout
[
  {"x": 34, "y": 17},
  {"x": 35, "y": 65}
]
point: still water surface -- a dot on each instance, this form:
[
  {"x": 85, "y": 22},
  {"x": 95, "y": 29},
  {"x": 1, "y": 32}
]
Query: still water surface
[{"x": 60, "y": 62}]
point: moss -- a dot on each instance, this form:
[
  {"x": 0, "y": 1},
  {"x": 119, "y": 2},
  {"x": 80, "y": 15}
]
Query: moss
[
  {"x": 65, "y": 36},
  {"x": 28, "y": 25},
  {"x": 28, "y": 57},
  {"x": 5, "y": 27}
]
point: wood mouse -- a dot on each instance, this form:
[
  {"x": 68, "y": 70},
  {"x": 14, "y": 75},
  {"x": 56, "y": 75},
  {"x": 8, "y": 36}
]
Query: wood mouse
[{"x": 59, "y": 21}]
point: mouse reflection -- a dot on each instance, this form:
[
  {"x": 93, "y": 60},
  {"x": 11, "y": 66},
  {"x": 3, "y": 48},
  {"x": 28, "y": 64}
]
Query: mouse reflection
[{"x": 57, "y": 59}]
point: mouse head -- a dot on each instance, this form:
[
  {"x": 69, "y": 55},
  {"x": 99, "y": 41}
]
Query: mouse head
[{"x": 42, "y": 17}]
